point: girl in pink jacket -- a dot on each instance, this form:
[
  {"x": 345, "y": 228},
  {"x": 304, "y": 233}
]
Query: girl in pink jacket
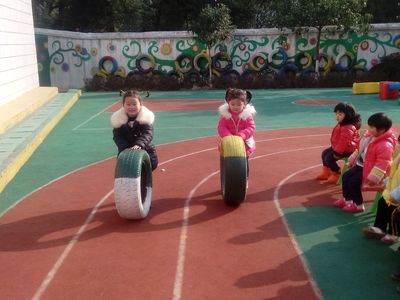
[
  {"x": 236, "y": 117},
  {"x": 344, "y": 140}
]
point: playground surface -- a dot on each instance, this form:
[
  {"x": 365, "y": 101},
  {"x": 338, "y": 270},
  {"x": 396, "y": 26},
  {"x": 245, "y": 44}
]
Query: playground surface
[{"x": 61, "y": 236}]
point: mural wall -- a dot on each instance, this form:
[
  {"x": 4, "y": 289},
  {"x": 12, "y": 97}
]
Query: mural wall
[{"x": 66, "y": 59}]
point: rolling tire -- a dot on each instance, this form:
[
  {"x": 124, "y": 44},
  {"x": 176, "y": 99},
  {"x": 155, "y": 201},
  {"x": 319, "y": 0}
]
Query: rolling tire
[
  {"x": 133, "y": 184},
  {"x": 233, "y": 170}
]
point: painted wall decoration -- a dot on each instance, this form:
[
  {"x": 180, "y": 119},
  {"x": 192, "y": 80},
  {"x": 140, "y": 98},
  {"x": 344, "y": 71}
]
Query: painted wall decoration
[{"x": 66, "y": 59}]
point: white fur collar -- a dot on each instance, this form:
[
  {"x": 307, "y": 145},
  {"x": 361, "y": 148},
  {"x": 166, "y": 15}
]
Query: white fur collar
[
  {"x": 248, "y": 111},
  {"x": 119, "y": 118}
]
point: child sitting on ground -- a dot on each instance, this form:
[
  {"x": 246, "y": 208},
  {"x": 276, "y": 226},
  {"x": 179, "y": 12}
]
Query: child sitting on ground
[
  {"x": 344, "y": 140},
  {"x": 133, "y": 126},
  {"x": 369, "y": 164}
]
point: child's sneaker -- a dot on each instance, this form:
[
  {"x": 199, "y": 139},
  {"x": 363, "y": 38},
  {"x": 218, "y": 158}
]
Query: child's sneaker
[
  {"x": 353, "y": 208},
  {"x": 333, "y": 178},
  {"x": 389, "y": 239},
  {"x": 374, "y": 232},
  {"x": 341, "y": 202},
  {"x": 326, "y": 172}
]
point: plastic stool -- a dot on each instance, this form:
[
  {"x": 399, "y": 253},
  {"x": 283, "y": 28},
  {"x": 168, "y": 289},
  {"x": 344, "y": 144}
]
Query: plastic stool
[
  {"x": 374, "y": 206},
  {"x": 378, "y": 195},
  {"x": 344, "y": 170}
]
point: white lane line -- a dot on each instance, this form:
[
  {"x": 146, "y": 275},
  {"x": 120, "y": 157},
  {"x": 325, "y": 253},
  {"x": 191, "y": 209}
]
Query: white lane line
[
  {"x": 291, "y": 235},
  {"x": 177, "y": 291},
  {"x": 92, "y": 117},
  {"x": 182, "y": 245},
  {"x": 52, "y": 273}
]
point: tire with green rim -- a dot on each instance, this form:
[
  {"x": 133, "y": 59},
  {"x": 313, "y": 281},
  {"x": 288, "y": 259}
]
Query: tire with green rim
[
  {"x": 233, "y": 170},
  {"x": 133, "y": 184}
]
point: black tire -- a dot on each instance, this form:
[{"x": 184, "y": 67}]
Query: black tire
[
  {"x": 221, "y": 62},
  {"x": 299, "y": 60},
  {"x": 184, "y": 63},
  {"x": 133, "y": 184},
  {"x": 233, "y": 170},
  {"x": 143, "y": 60}
]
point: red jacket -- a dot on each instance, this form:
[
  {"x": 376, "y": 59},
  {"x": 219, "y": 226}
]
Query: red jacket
[
  {"x": 344, "y": 138},
  {"x": 379, "y": 154}
]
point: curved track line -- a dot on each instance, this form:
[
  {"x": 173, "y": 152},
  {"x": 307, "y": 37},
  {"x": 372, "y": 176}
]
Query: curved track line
[
  {"x": 177, "y": 292},
  {"x": 182, "y": 245},
  {"x": 51, "y": 274},
  {"x": 292, "y": 239}
]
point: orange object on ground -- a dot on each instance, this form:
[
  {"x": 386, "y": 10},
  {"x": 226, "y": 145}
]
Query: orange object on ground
[
  {"x": 333, "y": 178},
  {"x": 325, "y": 174}
]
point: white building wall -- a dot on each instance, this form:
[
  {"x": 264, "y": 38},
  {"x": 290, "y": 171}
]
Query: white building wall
[{"x": 18, "y": 64}]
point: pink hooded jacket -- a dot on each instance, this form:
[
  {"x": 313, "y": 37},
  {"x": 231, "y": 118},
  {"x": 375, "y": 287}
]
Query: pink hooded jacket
[
  {"x": 378, "y": 156},
  {"x": 241, "y": 124}
]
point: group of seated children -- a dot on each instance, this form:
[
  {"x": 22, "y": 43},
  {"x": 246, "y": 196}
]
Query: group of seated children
[{"x": 373, "y": 165}]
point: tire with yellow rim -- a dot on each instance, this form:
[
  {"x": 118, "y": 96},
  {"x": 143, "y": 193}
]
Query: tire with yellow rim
[{"x": 233, "y": 170}]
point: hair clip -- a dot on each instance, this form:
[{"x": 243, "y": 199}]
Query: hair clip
[
  {"x": 226, "y": 95},
  {"x": 248, "y": 96}
]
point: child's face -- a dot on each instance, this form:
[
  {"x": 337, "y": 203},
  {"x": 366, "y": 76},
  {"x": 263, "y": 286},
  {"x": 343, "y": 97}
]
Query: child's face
[
  {"x": 340, "y": 116},
  {"x": 132, "y": 106},
  {"x": 236, "y": 105},
  {"x": 374, "y": 131}
]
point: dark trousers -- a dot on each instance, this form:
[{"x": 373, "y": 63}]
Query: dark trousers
[
  {"x": 328, "y": 160},
  {"x": 153, "y": 158},
  {"x": 387, "y": 215},
  {"x": 351, "y": 185}
]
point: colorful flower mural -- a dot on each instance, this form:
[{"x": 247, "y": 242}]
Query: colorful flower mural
[{"x": 62, "y": 56}]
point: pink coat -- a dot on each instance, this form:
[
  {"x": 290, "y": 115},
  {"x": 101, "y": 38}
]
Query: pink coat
[
  {"x": 238, "y": 124},
  {"x": 344, "y": 138},
  {"x": 378, "y": 156}
]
